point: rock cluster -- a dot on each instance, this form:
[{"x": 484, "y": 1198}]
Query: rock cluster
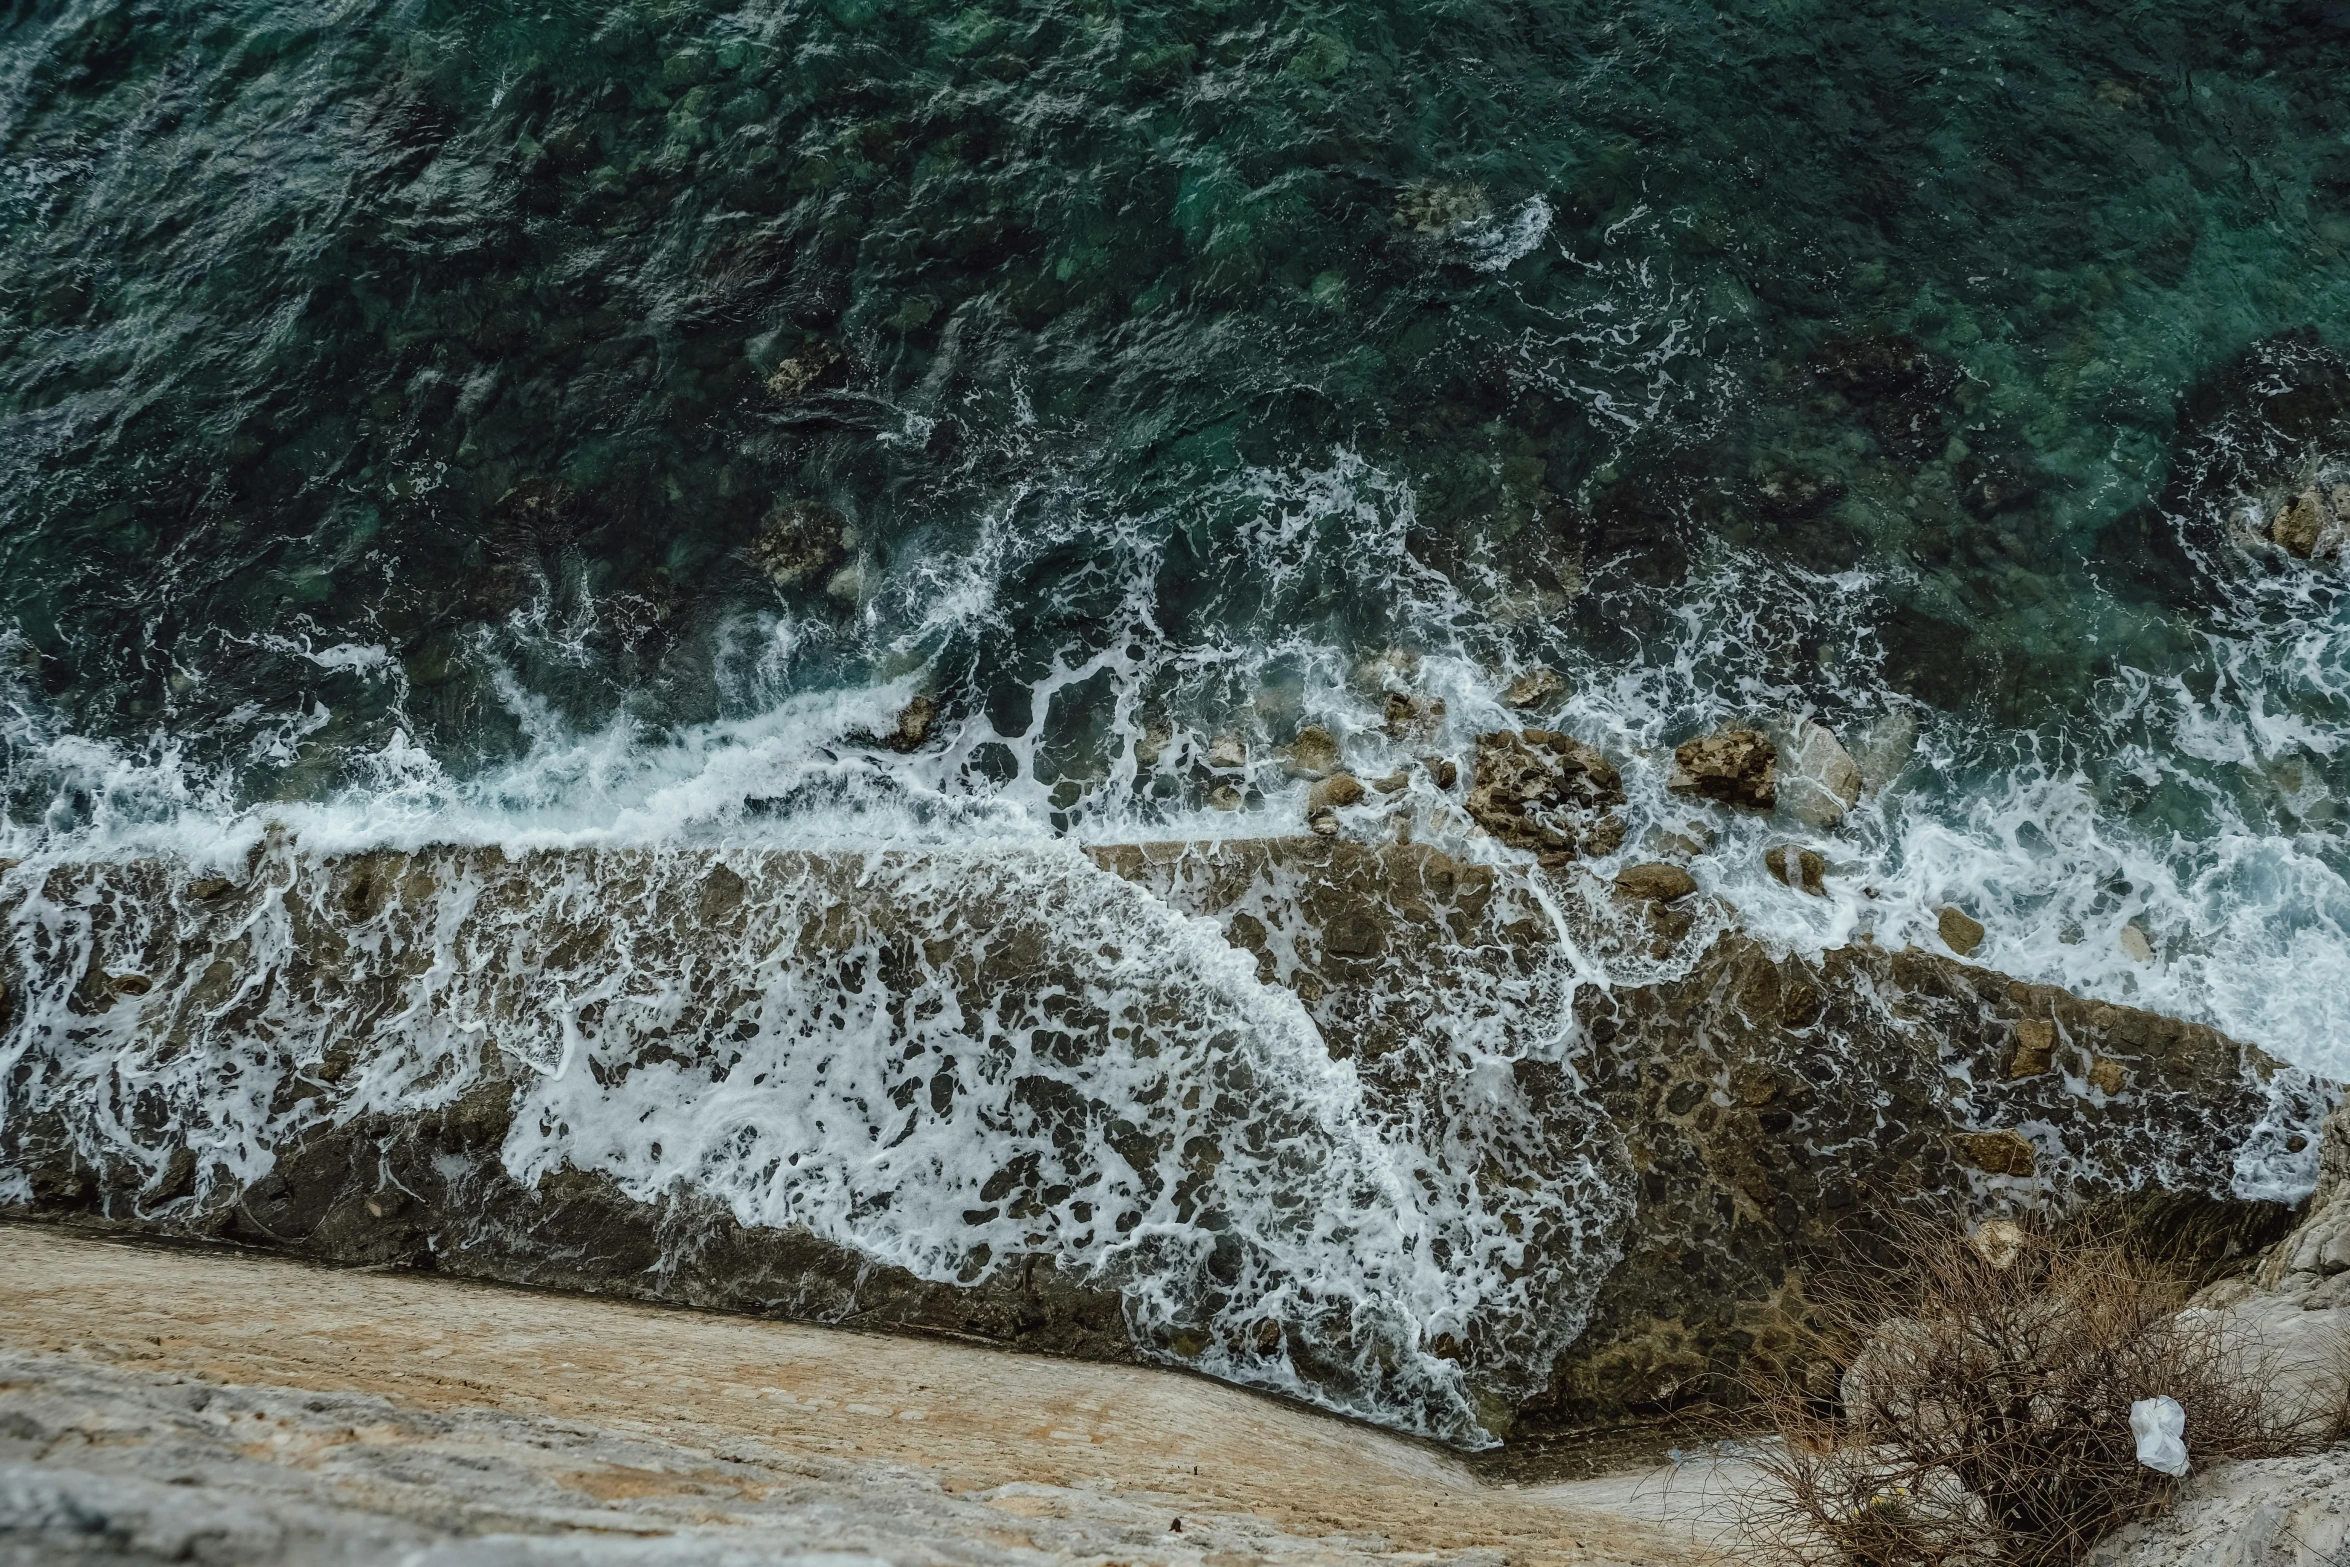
[
  {"x": 1549, "y": 792},
  {"x": 1735, "y": 766}
]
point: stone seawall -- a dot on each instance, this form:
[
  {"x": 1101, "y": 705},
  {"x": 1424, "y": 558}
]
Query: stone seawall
[{"x": 551, "y": 1069}]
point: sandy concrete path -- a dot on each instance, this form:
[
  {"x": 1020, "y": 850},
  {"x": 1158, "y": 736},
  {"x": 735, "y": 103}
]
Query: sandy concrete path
[{"x": 624, "y": 1420}]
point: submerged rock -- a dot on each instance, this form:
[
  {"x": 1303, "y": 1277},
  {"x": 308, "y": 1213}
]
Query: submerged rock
[
  {"x": 1410, "y": 717},
  {"x": 1549, "y": 792},
  {"x": 1734, "y": 766},
  {"x": 801, "y": 543}
]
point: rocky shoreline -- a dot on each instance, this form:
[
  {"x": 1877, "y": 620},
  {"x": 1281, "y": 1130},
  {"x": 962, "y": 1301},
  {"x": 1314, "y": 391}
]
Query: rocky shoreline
[{"x": 1737, "y": 1116}]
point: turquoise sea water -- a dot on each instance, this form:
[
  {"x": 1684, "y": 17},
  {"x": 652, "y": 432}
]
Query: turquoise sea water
[{"x": 595, "y": 422}]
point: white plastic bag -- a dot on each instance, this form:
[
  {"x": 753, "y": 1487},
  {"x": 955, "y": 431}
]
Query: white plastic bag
[{"x": 2160, "y": 1426}]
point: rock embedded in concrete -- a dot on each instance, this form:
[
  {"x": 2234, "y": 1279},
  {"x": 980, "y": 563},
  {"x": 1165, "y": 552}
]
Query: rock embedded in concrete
[{"x": 1735, "y": 766}]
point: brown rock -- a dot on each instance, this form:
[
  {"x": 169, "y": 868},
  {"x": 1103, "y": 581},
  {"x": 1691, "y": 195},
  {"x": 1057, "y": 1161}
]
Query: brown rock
[
  {"x": 1534, "y": 789},
  {"x": 1313, "y": 754},
  {"x": 1394, "y": 783},
  {"x": 1997, "y": 1153},
  {"x": 2107, "y": 1076},
  {"x": 2035, "y": 1048},
  {"x": 1961, "y": 933},
  {"x": 2302, "y": 523},
  {"x": 1412, "y": 717},
  {"x": 1334, "y": 793},
  {"x": 915, "y": 722},
  {"x": 1800, "y": 868},
  {"x": 1655, "y": 883},
  {"x": 1227, "y": 753},
  {"x": 1443, "y": 769},
  {"x": 1735, "y": 766},
  {"x": 1538, "y": 689}
]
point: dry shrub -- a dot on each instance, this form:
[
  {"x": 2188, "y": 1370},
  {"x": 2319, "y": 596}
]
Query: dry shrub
[{"x": 1968, "y": 1402}]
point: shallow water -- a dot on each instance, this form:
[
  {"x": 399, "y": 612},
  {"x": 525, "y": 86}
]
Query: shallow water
[{"x": 593, "y": 424}]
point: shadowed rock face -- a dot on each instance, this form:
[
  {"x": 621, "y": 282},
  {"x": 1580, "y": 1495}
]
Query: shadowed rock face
[{"x": 1442, "y": 1144}]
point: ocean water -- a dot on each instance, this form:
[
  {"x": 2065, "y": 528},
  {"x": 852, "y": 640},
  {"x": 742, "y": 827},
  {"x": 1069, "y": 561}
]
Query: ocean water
[{"x": 571, "y": 424}]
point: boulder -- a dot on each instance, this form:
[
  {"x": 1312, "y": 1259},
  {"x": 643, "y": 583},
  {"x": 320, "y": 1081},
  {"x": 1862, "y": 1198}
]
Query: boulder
[
  {"x": 1227, "y": 753},
  {"x": 1818, "y": 782},
  {"x": 2310, "y": 525},
  {"x": 1735, "y": 766},
  {"x": 1797, "y": 867},
  {"x": 1313, "y": 754},
  {"x": 1960, "y": 932},
  {"x": 1548, "y": 792},
  {"x": 1537, "y": 690},
  {"x": 1655, "y": 883},
  {"x": 1334, "y": 793}
]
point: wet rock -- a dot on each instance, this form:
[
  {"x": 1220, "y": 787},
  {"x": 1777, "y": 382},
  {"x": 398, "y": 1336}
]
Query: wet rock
[
  {"x": 1883, "y": 748},
  {"x": 206, "y": 888},
  {"x": 1411, "y": 717},
  {"x": 802, "y": 542},
  {"x": 1227, "y": 753},
  {"x": 1747, "y": 1116},
  {"x": 1735, "y": 766},
  {"x": 1540, "y": 790},
  {"x": 1443, "y": 769},
  {"x": 2311, "y": 525},
  {"x": 2035, "y": 1048},
  {"x": 1334, "y": 793},
  {"x": 1394, "y": 783},
  {"x": 1313, "y": 754},
  {"x": 2107, "y": 1075},
  {"x": 1537, "y": 690},
  {"x": 1998, "y": 1153},
  {"x": 1797, "y": 867},
  {"x": 1227, "y": 797},
  {"x": 1435, "y": 207},
  {"x": 1960, "y": 932},
  {"x": 1655, "y": 883},
  {"x": 847, "y": 585},
  {"x": 2136, "y": 944},
  {"x": 813, "y": 368},
  {"x": 915, "y": 721},
  {"x": 1819, "y": 782}
]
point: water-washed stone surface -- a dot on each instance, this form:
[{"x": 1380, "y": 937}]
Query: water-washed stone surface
[{"x": 1754, "y": 1110}]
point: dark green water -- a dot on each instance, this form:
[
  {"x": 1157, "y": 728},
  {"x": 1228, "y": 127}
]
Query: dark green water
[{"x": 471, "y": 406}]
